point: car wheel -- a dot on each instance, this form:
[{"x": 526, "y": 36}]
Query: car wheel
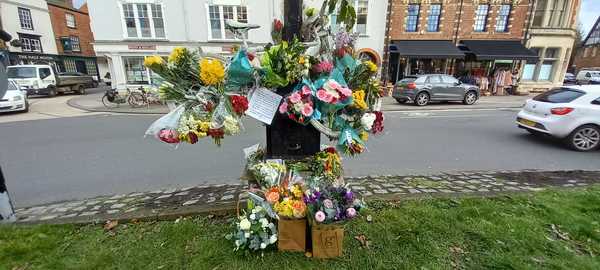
[
  {"x": 52, "y": 92},
  {"x": 401, "y": 101},
  {"x": 80, "y": 90},
  {"x": 470, "y": 98},
  {"x": 26, "y": 107},
  {"x": 585, "y": 138},
  {"x": 422, "y": 99}
]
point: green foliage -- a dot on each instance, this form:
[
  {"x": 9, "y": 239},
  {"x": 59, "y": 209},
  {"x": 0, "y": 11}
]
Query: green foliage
[{"x": 345, "y": 11}]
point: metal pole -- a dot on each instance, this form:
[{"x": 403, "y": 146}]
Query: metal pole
[{"x": 7, "y": 213}]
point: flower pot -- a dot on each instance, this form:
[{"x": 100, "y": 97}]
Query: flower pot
[
  {"x": 327, "y": 241},
  {"x": 292, "y": 235}
]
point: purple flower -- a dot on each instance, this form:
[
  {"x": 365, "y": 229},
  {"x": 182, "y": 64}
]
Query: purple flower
[{"x": 349, "y": 196}]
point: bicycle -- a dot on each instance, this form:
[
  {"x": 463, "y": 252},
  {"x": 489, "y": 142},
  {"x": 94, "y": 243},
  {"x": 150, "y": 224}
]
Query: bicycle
[{"x": 112, "y": 99}]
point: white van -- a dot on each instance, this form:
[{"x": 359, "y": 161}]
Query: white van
[{"x": 588, "y": 77}]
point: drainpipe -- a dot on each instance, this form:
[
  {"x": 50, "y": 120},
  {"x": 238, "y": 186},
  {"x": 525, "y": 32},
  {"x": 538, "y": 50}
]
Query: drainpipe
[
  {"x": 460, "y": 12},
  {"x": 529, "y": 21},
  {"x": 386, "y": 45}
]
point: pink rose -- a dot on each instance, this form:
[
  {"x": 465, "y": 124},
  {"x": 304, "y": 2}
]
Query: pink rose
[
  {"x": 346, "y": 92},
  {"x": 283, "y": 107},
  {"x": 351, "y": 212},
  {"x": 333, "y": 84},
  {"x": 328, "y": 203},
  {"x": 320, "y": 216},
  {"x": 307, "y": 110},
  {"x": 306, "y": 90},
  {"x": 321, "y": 95},
  {"x": 295, "y": 97}
]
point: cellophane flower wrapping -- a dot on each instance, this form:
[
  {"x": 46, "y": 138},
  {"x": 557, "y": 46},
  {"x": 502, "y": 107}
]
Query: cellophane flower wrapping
[
  {"x": 331, "y": 205},
  {"x": 165, "y": 128}
]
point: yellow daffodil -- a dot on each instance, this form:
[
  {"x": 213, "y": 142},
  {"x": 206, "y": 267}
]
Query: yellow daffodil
[
  {"x": 359, "y": 100},
  {"x": 372, "y": 67},
  {"x": 212, "y": 72},
  {"x": 177, "y": 55},
  {"x": 153, "y": 62},
  {"x": 204, "y": 126}
]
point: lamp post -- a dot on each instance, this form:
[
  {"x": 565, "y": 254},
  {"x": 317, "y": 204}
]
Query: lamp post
[{"x": 287, "y": 139}]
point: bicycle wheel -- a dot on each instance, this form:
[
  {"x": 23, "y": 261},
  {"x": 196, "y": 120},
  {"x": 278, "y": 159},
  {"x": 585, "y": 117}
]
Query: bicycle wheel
[
  {"x": 107, "y": 104},
  {"x": 136, "y": 100}
]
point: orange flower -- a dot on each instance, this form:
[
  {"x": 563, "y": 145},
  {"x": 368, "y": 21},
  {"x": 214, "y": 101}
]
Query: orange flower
[
  {"x": 299, "y": 209},
  {"x": 272, "y": 196}
]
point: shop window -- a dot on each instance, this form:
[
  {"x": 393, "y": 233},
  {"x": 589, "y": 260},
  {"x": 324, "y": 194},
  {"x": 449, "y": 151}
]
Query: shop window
[
  {"x": 546, "y": 70},
  {"x": 135, "y": 71},
  {"x": 25, "y": 18},
  {"x": 75, "y": 46},
  {"x": 412, "y": 20},
  {"x": 502, "y": 19},
  {"x": 529, "y": 68},
  {"x": 481, "y": 18},
  {"x": 143, "y": 20},
  {"x": 219, "y": 14},
  {"x": 433, "y": 19},
  {"x": 30, "y": 43},
  {"x": 70, "y": 19}
]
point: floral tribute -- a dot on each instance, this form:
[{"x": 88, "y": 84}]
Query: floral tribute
[
  {"x": 254, "y": 229},
  {"x": 332, "y": 205},
  {"x": 299, "y": 106}
]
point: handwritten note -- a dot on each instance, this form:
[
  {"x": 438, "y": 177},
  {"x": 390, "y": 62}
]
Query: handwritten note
[{"x": 263, "y": 105}]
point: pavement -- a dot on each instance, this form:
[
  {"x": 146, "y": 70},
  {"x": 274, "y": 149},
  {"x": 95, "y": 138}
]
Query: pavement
[
  {"x": 41, "y": 108},
  {"x": 173, "y": 203},
  {"x": 74, "y": 158},
  {"x": 93, "y": 102}
]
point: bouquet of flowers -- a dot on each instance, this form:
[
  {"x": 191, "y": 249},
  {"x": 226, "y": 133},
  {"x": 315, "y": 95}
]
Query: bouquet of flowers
[
  {"x": 333, "y": 93},
  {"x": 254, "y": 231},
  {"x": 350, "y": 142},
  {"x": 332, "y": 205},
  {"x": 326, "y": 165},
  {"x": 299, "y": 105},
  {"x": 268, "y": 174},
  {"x": 284, "y": 64},
  {"x": 287, "y": 201}
]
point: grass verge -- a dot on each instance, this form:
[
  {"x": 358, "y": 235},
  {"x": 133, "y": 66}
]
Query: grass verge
[{"x": 547, "y": 230}]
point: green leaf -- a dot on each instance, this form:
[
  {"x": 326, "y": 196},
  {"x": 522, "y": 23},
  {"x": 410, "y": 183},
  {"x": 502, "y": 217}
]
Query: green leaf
[
  {"x": 332, "y": 5},
  {"x": 350, "y": 19},
  {"x": 343, "y": 13}
]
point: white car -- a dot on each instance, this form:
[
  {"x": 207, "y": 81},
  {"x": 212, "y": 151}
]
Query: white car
[
  {"x": 571, "y": 113},
  {"x": 588, "y": 77},
  {"x": 14, "y": 100}
]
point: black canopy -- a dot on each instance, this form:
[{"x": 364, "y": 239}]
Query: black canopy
[
  {"x": 499, "y": 50},
  {"x": 427, "y": 49}
]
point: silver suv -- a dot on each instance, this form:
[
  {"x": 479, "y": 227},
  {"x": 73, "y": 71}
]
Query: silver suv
[{"x": 423, "y": 89}]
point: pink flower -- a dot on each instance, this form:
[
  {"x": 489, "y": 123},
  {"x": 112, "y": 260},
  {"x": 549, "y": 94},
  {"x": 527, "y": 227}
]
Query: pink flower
[
  {"x": 346, "y": 92},
  {"x": 295, "y": 97},
  {"x": 323, "y": 67},
  {"x": 283, "y": 107},
  {"x": 320, "y": 216},
  {"x": 333, "y": 85},
  {"x": 306, "y": 90},
  {"x": 307, "y": 110},
  {"x": 329, "y": 98},
  {"x": 328, "y": 203},
  {"x": 351, "y": 212},
  {"x": 322, "y": 94}
]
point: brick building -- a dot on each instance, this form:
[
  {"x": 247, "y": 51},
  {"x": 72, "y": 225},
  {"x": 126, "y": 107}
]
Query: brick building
[
  {"x": 588, "y": 56},
  {"x": 483, "y": 41},
  {"x": 73, "y": 37}
]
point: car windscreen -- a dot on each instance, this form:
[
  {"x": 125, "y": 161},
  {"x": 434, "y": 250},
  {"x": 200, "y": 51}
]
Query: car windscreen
[
  {"x": 21, "y": 72},
  {"x": 559, "y": 95}
]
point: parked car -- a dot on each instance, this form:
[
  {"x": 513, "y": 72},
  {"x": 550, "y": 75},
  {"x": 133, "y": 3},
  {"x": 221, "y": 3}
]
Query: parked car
[
  {"x": 570, "y": 113},
  {"x": 44, "y": 80},
  {"x": 14, "y": 100},
  {"x": 422, "y": 89},
  {"x": 570, "y": 78},
  {"x": 588, "y": 77}
]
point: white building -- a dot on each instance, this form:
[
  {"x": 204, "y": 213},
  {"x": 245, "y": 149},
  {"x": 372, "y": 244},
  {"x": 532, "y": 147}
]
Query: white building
[
  {"x": 128, "y": 30},
  {"x": 29, "y": 21}
]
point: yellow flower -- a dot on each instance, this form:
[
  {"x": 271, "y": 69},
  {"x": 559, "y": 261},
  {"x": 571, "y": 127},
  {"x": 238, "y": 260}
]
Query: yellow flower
[
  {"x": 359, "y": 100},
  {"x": 212, "y": 72},
  {"x": 297, "y": 191},
  {"x": 177, "y": 55},
  {"x": 372, "y": 67},
  {"x": 301, "y": 60},
  {"x": 153, "y": 61},
  {"x": 364, "y": 136},
  {"x": 204, "y": 126}
]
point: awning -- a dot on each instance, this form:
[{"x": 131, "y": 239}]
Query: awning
[
  {"x": 428, "y": 49},
  {"x": 499, "y": 50}
]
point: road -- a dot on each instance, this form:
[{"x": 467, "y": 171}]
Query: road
[{"x": 84, "y": 156}]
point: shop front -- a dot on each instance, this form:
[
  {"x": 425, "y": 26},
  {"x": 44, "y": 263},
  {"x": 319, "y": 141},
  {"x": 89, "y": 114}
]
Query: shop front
[
  {"x": 62, "y": 63},
  {"x": 413, "y": 57},
  {"x": 493, "y": 65}
]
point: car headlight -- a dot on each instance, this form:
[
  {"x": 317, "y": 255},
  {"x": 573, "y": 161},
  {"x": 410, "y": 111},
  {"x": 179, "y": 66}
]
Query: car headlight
[{"x": 17, "y": 98}]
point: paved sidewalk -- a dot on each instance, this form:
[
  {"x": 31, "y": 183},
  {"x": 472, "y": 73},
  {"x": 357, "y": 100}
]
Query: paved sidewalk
[
  {"x": 172, "y": 203},
  {"x": 93, "y": 103}
]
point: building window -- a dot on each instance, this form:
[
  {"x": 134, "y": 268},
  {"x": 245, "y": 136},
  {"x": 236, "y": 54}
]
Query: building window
[
  {"x": 433, "y": 20},
  {"x": 219, "y": 14},
  {"x": 75, "y": 46},
  {"x": 502, "y": 20},
  {"x": 412, "y": 20},
  {"x": 362, "y": 10},
  {"x": 540, "y": 10},
  {"x": 481, "y": 18},
  {"x": 135, "y": 71},
  {"x": 548, "y": 64},
  {"x": 30, "y": 43},
  {"x": 557, "y": 13},
  {"x": 529, "y": 68},
  {"x": 70, "y": 19},
  {"x": 25, "y": 18},
  {"x": 144, "y": 20}
]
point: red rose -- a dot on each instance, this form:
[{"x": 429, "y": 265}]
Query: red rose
[
  {"x": 277, "y": 25},
  {"x": 330, "y": 150},
  {"x": 239, "y": 104}
]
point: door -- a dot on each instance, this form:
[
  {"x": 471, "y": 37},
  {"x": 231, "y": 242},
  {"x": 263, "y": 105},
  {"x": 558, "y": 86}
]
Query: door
[
  {"x": 81, "y": 67},
  {"x": 47, "y": 77},
  {"x": 435, "y": 86},
  {"x": 453, "y": 89}
]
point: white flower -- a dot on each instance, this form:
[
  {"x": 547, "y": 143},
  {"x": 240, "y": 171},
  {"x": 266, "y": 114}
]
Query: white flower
[
  {"x": 264, "y": 222},
  {"x": 245, "y": 224},
  {"x": 263, "y": 245},
  {"x": 258, "y": 209},
  {"x": 237, "y": 243},
  {"x": 247, "y": 235},
  {"x": 253, "y": 216},
  {"x": 367, "y": 121},
  {"x": 273, "y": 239}
]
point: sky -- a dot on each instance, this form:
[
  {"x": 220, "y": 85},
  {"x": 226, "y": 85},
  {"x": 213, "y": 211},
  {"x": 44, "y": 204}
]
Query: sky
[{"x": 590, "y": 10}]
